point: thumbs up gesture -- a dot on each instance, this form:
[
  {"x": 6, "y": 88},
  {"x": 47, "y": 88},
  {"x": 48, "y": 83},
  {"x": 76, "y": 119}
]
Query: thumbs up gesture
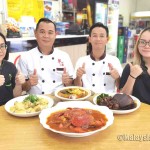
[
  {"x": 135, "y": 70},
  {"x": 34, "y": 78},
  {"x": 113, "y": 72},
  {"x": 19, "y": 79},
  {"x": 81, "y": 71},
  {"x": 2, "y": 80},
  {"x": 65, "y": 77}
]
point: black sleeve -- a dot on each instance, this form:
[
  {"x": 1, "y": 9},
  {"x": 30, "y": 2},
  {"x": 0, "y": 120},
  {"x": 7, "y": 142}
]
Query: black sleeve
[
  {"x": 13, "y": 73},
  {"x": 124, "y": 76}
]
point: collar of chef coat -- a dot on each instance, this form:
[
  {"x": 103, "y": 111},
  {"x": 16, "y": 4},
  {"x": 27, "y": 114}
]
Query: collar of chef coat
[
  {"x": 100, "y": 58},
  {"x": 50, "y": 51}
]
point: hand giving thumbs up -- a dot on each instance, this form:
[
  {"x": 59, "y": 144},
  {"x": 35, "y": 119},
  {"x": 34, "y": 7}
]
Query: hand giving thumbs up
[
  {"x": 2, "y": 80},
  {"x": 113, "y": 72},
  {"x": 20, "y": 78},
  {"x": 135, "y": 70},
  {"x": 34, "y": 78},
  {"x": 81, "y": 71}
]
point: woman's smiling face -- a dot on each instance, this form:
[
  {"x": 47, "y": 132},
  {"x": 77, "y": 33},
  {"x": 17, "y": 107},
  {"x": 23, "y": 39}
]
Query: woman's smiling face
[{"x": 144, "y": 44}]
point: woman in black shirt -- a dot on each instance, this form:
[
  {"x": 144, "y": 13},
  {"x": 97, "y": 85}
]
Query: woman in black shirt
[
  {"x": 135, "y": 78},
  {"x": 11, "y": 80}
]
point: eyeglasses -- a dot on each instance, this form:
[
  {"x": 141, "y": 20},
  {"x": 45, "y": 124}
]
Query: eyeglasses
[
  {"x": 3, "y": 47},
  {"x": 143, "y": 43}
]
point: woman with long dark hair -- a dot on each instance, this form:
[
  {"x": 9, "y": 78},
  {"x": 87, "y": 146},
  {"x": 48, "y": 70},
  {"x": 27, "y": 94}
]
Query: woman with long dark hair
[{"x": 11, "y": 80}]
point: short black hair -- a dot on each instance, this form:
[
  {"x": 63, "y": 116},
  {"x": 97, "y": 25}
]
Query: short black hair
[
  {"x": 99, "y": 24},
  {"x": 7, "y": 51},
  {"x": 45, "y": 20}
]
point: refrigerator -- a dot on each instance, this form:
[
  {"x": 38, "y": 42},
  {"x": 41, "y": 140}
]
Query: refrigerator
[
  {"x": 107, "y": 12},
  {"x": 112, "y": 23},
  {"x": 101, "y": 11}
]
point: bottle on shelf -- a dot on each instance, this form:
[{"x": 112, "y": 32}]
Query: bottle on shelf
[{"x": 84, "y": 24}]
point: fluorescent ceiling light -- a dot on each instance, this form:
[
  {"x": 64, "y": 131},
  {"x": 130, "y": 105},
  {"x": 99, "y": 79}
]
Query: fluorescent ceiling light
[{"x": 141, "y": 14}]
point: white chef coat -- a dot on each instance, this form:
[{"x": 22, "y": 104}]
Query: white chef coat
[
  {"x": 49, "y": 79},
  {"x": 96, "y": 78}
]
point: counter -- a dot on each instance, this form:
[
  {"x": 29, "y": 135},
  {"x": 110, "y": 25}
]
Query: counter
[
  {"x": 74, "y": 45},
  {"x": 27, "y": 43},
  {"x": 128, "y": 132}
]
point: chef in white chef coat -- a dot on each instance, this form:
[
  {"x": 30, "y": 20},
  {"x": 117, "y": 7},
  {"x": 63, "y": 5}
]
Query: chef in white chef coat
[
  {"x": 98, "y": 71},
  {"x": 46, "y": 68}
]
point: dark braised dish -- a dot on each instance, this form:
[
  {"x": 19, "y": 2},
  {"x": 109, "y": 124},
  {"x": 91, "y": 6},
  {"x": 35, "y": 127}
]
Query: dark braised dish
[{"x": 116, "y": 102}]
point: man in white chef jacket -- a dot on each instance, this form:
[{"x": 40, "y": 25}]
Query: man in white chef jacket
[
  {"x": 46, "y": 68},
  {"x": 98, "y": 71}
]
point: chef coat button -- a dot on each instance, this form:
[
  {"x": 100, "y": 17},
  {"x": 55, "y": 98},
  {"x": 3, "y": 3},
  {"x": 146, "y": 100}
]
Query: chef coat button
[
  {"x": 104, "y": 84},
  {"x": 93, "y": 74},
  {"x": 41, "y": 56},
  {"x": 42, "y": 69},
  {"x": 103, "y": 73},
  {"x": 43, "y": 81},
  {"x": 93, "y": 63},
  {"x": 93, "y": 84},
  {"x": 52, "y": 58},
  {"x": 103, "y": 62},
  {"x": 54, "y": 70},
  {"x": 42, "y": 92},
  {"x": 53, "y": 81}
]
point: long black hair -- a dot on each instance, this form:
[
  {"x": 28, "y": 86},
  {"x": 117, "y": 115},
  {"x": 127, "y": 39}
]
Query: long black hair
[
  {"x": 98, "y": 24},
  {"x": 7, "y": 51}
]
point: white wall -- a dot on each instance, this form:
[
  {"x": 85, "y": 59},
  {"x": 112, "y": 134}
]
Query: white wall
[
  {"x": 143, "y": 5},
  {"x": 0, "y": 11},
  {"x": 126, "y": 7},
  {"x": 3, "y": 10}
]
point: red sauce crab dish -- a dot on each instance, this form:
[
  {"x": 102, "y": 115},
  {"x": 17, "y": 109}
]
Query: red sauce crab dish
[{"x": 76, "y": 120}]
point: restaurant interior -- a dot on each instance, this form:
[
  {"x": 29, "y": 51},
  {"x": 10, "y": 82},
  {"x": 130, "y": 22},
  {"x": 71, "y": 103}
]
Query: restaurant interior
[{"x": 74, "y": 117}]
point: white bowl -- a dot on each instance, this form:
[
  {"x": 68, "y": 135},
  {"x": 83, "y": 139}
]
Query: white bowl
[
  {"x": 76, "y": 104},
  {"x": 136, "y": 100},
  {"x": 73, "y": 99},
  {"x": 20, "y": 99}
]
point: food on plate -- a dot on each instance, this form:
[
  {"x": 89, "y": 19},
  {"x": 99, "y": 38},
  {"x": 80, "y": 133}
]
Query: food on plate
[
  {"x": 77, "y": 120},
  {"x": 72, "y": 93},
  {"x": 123, "y": 101},
  {"x": 116, "y": 102},
  {"x": 30, "y": 104}
]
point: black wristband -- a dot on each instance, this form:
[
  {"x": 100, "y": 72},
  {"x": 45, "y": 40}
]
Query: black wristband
[
  {"x": 27, "y": 79},
  {"x": 132, "y": 76}
]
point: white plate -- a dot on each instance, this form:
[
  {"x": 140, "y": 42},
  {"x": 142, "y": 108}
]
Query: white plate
[
  {"x": 136, "y": 100},
  {"x": 76, "y": 104},
  {"x": 20, "y": 99},
  {"x": 73, "y": 99}
]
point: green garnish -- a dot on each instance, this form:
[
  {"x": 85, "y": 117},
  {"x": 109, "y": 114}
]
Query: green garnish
[
  {"x": 100, "y": 97},
  {"x": 32, "y": 98}
]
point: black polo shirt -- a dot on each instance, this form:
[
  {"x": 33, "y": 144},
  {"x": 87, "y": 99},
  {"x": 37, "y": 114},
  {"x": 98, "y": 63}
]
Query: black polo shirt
[
  {"x": 9, "y": 71},
  {"x": 141, "y": 88}
]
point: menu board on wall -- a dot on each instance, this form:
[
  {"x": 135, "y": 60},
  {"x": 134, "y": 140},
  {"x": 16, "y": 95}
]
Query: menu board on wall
[{"x": 19, "y": 8}]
